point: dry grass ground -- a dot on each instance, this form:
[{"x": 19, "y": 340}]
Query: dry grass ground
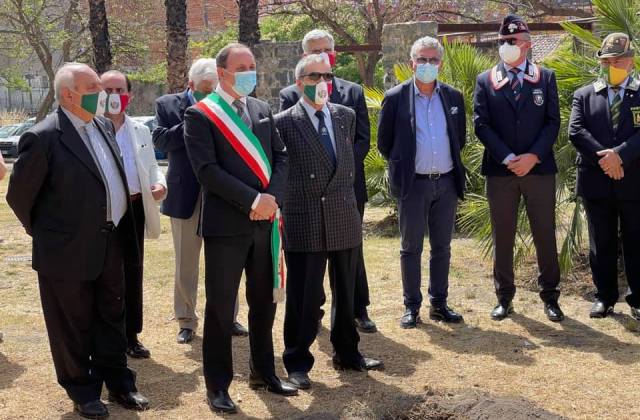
[{"x": 581, "y": 368}]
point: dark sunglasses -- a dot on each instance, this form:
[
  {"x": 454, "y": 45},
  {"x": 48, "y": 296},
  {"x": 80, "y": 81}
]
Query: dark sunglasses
[
  {"x": 429, "y": 60},
  {"x": 510, "y": 41},
  {"x": 315, "y": 76}
]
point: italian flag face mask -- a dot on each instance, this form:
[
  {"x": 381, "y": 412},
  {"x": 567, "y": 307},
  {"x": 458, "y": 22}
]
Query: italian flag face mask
[
  {"x": 319, "y": 93},
  {"x": 113, "y": 103}
]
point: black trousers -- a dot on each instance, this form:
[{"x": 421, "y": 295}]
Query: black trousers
[
  {"x": 539, "y": 194},
  {"x": 133, "y": 274},
  {"x": 305, "y": 274},
  {"x": 225, "y": 258},
  {"x": 85, "y": 323},
  {"x": 361, "y": 294},
  {"x": 604, "y": 217}
]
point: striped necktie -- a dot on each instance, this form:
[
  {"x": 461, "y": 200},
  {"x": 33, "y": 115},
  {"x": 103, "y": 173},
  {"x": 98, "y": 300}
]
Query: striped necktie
[
  {"x": 243, "y": 115},
  {"x": 516, "y": 86},
  {"x": 615, "y": 108}
]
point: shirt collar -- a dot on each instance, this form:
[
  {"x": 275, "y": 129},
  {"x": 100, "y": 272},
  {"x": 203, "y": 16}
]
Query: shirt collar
[
  {"x": 192, "y": 98},
  {"x": 522, "y": 66},
  {"x": 621, "y": 86},
  {"x": 436, "y": 89},
  {"x": 228, "y": 98},
  {"x": 77, "y": 122},
  {"x": 312, "y": 111}
]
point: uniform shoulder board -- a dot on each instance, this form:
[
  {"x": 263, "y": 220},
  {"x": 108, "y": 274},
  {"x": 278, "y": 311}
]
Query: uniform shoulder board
[
  {"x": 634, "y": 84},
  {"x": 498, "y": 80},
  {"x": 599, "y": 84},
  {"x": 532, "y": 75}
]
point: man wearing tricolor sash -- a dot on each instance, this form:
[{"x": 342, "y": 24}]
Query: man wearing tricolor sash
[
  {"x": 322, "y": 223},
  {"x": 241, "y": 163}
]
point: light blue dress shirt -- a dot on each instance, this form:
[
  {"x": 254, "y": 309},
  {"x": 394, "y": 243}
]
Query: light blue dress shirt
[{"x": 433, "y": 152}]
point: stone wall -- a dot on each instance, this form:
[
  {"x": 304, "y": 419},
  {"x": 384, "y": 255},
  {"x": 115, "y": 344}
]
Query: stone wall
[
  {"x": 144, "y": 98},
  {"x": 275, "y": 62},
  {"x": 397, "y": 39}
]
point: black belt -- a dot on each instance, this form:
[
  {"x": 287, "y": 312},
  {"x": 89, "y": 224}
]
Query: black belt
[{"x": 432, "y": 176}]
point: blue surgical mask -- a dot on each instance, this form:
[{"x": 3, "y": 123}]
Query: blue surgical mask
[
  {"x": 426, "y": 72},
  {"x": 245, "y": 82}
]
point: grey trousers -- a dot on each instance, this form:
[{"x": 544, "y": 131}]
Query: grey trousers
[
  {"x": 539, "y": 194},
  {"x": 187, "y": 246},
  {"x": 430, "y": 205}
]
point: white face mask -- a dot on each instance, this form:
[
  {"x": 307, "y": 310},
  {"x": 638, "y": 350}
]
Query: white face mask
[{"x": 509, "y": 53}]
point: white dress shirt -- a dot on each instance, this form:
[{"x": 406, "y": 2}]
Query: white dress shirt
[{"x": 125, "y": 142}]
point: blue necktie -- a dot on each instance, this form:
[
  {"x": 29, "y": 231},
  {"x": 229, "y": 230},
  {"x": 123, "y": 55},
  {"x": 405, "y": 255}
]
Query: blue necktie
[{"x": 325, "y": 138}]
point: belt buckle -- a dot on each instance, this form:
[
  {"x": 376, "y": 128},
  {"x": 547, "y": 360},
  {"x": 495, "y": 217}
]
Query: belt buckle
[{"x": 435, "y": 176}]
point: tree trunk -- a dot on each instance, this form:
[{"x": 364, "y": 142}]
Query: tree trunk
[
  {"x": 177, "y": 43},
  {"x": 99, "y": 27},
  {"x": 248, "y": 28}
]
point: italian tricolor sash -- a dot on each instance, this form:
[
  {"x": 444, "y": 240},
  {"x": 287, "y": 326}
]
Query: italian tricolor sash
[{"x": 247, "y": 145}]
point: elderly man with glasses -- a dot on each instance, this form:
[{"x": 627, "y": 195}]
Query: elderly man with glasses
[{"x": 322, "y": 222}]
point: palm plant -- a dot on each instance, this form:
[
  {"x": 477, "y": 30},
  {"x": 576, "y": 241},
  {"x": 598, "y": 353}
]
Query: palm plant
[{"x": 575, "y": 65}]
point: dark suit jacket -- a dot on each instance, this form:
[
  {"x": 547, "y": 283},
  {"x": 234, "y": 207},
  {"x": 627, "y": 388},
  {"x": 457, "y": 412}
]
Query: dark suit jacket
[
  {"x": 505, "y": 126},
  {"x": 350, "y": 95},
  {"x": 182, "y": 185},
  {"x": 57, "y": 193},
  {"x": 397, "y": 134},
  {"x": 320, "y": 210},
  {"x": 590, "y": 130},
  {"x": 229, "y": 186}
]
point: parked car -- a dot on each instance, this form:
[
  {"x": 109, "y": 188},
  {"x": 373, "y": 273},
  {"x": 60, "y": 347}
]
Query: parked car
[
  {"x": 9, "y": 144},
  {"x": 150, "y": 121}
]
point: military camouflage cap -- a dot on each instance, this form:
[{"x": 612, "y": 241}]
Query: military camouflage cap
[{"x": 616, "y": 44}]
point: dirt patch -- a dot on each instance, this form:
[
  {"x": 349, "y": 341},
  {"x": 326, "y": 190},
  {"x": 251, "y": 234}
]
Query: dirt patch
[{"x": 471, "y": 405}]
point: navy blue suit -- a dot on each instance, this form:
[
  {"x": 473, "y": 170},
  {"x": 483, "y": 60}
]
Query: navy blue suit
[
  {"x": 609, "y": 203},
  {"x": 397, "y": 135},
  {"x": 182, "y": 185},
  {"x": 508, "y": 125},
  {"x": 351, "y": 95},
  {"x": 505, "y": 127},
  {"x": 424, "y": 204}
]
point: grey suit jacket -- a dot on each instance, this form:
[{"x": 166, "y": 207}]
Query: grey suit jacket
[{"x": 319, "y": 211}]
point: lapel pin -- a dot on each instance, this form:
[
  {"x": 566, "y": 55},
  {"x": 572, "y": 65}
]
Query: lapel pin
[{"x": 454, "y": 110}]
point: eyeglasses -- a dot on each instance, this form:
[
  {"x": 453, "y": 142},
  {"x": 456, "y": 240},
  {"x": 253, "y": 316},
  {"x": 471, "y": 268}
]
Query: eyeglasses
[
  {"x": 510, "y": 41},
  {"x": 315, "y": 76},
  {"x": 425, "y": 60}
]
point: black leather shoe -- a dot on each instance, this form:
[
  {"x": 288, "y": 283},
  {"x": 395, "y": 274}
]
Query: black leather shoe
[
  {"x": 444, "y": 314},
  {"x": 91, "y": 410},
  {"x": 363, "y": 365},
  {"x": 238, "y": 330},
  {"x": 600, "y": 309},
  {"x": 136, "y": 350},
  {"x": 221, "y": 401},
  {"x": 410, "y": 319},
  {"x": 130, "y": 400},
  {"x": 553, "y": 311},
  {"x": 635, "y": 313},
  {"x": 365, "y": 324},
  {"x": 272, "y": 384},
  {"x": 300, "y": 380},
  {"x": 185, "y": 335},
  {"x": 502, "y": 311}
]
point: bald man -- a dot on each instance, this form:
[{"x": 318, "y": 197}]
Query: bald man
[{"x": 68, "y": 189}]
